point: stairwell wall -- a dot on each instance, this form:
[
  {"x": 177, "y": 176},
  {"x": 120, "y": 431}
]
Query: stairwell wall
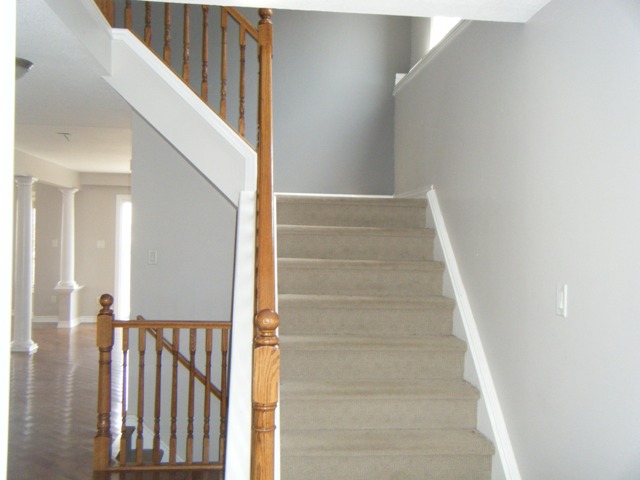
[{"x": 529, "y": 134}]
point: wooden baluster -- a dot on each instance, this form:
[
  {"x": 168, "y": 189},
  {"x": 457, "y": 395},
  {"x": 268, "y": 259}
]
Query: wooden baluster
[
  {"x": 243, "y": 46},
  {"x": 204, "y": 86},
  {"x": 157, "y": 400},
  {"x": 192, "y": 367},
  {"x": 207, "y": 397},
  {"x": 186, "y": 44},
  {"x": 104, "y": 342},
  {"x": 123, "y": 429},
  {"x": 147, "y": 24},
  {"x": 142, "y": 346},
  {"x": 224, "y": 393},
  {"x": 266, "y": 353},
  {"x": 223, "y": 64},
  {"x": 127, "y": 14},
  {"x": 174, "y": 396},
  {"x": 166, "y": 52}
]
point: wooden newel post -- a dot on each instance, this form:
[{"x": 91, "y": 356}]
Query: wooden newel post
[
  {"x": 102, "y": 441},
  {"x": 266, "y": 374},
  {"x": 266, "y": 351}
]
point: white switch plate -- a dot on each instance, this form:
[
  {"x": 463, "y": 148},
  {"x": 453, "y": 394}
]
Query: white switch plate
[
  {"x": 561, "y": 300},
  {"x": 101, "y": 244},
  {"x": 152, "y": 257}
]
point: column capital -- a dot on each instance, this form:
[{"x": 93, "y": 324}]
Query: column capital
[
  {"x": 68, "y": 190},
  {"x": 25, "y": 181}
]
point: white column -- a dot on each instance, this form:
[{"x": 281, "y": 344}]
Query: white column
[
  {"x": 23, "y": 282},
  {"x": 67, "y": 288}
]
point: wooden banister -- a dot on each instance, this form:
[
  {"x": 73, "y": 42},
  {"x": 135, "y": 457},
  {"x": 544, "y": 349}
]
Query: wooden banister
[
  {"x": 186, "y": 407},
  {"x": 266, "y": 353}
]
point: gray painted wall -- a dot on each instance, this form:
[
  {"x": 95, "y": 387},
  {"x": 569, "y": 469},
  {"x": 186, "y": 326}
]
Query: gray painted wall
[
  {"x": 333, "y": 105},
  {"x": 529, "y": 133},
  {"x": 192, "y": 227},
  {"x": 333, "y": 78}
]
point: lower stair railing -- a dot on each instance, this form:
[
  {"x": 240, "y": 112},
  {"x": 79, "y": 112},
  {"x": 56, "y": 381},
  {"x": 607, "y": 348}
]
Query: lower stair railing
[{"x": 188, "y": 405}]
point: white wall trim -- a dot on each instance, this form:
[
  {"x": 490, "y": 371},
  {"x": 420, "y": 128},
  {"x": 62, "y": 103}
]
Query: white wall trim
[
  {"x": 45, "y": 319},
  {"x": 487, "y": 387},
  {"x": 238, "y": 457},
  {"x": 140, "y": 77},
  {"x": 431, "y": 54}
]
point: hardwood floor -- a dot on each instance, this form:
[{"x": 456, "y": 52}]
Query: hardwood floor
[{"x": 52, "y": 416}]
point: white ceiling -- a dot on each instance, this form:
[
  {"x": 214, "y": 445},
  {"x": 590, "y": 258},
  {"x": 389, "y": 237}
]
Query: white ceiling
[{"x": 64, "y": 93}]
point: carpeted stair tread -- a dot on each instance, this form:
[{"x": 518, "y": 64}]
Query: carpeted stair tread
[
  {"x": 354, "y": 343},
  {"x": 357, "y": 301},
  {"x": 339, "y": 264},
  {"x": 440, "y": 389},
  {"x": 364, "y": 443},
  {"x": 350, "y": 211},
  {"x": 367, "y": 243}
]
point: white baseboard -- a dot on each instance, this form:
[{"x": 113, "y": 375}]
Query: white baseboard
[{"x": 486, "y": 385}]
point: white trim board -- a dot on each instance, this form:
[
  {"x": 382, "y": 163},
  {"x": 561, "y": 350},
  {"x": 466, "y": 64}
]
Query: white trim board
[{"x": 486, "y": 385}]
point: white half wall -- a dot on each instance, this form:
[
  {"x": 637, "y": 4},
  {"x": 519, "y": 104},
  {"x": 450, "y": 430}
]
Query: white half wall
[{"x": 529, "y": 133}]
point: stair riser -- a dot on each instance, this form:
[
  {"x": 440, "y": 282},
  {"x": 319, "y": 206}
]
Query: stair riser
[
  {"x": 362, "y": 281},
  {"x": 301, "y": 320},
  {"x": 340, "y": 365},
  {"x": 355, "y": 247},
  {"x": 377, "y": 413},
  {"x": 437, "y": 467},
  {"x": 350, "y": 215}
]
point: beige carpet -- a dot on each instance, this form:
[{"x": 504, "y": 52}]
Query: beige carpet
[{"x": 372, "y": 384}]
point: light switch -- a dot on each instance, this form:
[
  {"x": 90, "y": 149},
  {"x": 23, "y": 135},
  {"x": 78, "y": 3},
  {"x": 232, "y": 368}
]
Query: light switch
[
  {"x": 561, "y": 300},
  {"x": 100, "y": 244},
  {"x": 152, "y": 257}
]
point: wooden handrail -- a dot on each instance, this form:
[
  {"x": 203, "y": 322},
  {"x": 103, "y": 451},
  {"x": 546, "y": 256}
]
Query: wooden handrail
[
  {"x": 156, "y": 328},
  {"x": 266, "y": 350}
]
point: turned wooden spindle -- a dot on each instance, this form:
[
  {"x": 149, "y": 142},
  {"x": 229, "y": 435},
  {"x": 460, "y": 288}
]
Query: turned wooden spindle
[
  {"x": 223, "y": 64},
  {"x": 104, "y": 342},
  {"x": 158, "y": 398},
  {"x": 186, "y": 40},
  {"x": 123, "y": 427},
  {"x": 190, "y": 412},
  {"x": 108, "y": 9},
  {"x": 266, "y": 373},
  {"x": 147, "y": 24},
  {"x": 142, "y": 347},
  {"x": 243, "y": 47},
  {"x": 204, "y": 86},
  {"x": 207, "y": 396},
  {"x": 173, "y": 439},
  {"x": 127, "y": 14},
  {"x": 224, "y": 390},
  {"x": 166, "y": 51}
]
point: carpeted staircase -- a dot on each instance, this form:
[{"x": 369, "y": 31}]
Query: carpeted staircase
[{"x": 371, "y": 377}]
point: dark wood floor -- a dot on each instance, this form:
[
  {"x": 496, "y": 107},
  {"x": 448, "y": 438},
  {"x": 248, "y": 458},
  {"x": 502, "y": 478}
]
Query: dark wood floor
[{"x": 53, "y": 408}]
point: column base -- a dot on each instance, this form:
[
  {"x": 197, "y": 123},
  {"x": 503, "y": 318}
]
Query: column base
[
  {"x": 68, "y": 305},
  {"x": 29, "y": 347}
]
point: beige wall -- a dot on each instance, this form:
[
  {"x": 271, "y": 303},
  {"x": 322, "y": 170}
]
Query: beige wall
[
  {"x": 96, "y": 222},
  {"x": 48, "y": 204}
]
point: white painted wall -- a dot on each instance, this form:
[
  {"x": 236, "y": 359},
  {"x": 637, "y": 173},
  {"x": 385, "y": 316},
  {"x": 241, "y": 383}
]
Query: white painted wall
[
  {"x": 333, "y": 78},
  {"x": 530, "y": 135},
  {"x": 7, "y": 129}
]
